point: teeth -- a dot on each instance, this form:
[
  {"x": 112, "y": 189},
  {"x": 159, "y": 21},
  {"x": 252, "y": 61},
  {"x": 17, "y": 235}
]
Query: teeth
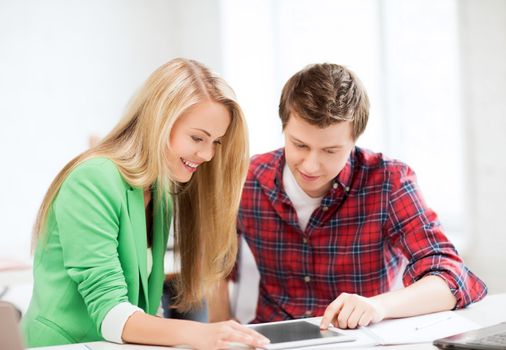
[{"x": 190, "y": 164}]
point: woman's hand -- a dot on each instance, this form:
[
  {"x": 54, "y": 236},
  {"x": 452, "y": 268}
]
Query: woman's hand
[
  {"x": 218, "y": 336},
  {"x": 351, "y": 311}
]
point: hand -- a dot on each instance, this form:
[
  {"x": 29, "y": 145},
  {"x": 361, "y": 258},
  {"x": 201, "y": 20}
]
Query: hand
[
  {"x": 352, "y": 310},
  {"x": 218, "y": 336}
]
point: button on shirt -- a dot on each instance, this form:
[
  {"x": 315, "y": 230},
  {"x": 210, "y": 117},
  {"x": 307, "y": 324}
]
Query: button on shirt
[{"x": 372, "y": 222}]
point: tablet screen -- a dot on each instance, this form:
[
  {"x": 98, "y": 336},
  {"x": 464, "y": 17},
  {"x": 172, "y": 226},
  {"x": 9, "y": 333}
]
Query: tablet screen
[{"x": 297, "y": 331}]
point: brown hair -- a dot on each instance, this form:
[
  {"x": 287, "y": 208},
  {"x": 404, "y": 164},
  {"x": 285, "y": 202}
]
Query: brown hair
[
  {"x": 205, "y": 209},
  {"x": 324, "y": 94}
]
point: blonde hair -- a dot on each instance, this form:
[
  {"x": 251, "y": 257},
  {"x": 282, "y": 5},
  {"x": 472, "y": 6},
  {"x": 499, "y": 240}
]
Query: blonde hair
[{"x": 205, "y": 209}]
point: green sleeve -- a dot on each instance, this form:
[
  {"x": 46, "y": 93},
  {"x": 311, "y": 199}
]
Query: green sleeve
[{"x": 87, "y": 209}]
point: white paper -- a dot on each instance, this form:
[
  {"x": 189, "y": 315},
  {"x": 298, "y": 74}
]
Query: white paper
[{"x": 419, "y": 329}]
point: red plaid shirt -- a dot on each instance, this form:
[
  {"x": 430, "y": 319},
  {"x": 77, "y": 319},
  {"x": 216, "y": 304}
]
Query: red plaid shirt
[{"x": 371, "y": 224}]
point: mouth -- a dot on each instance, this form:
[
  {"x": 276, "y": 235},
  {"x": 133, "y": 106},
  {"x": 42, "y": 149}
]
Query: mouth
[
  {"x": 190, "y": 166},
  {"x": 308, "y": 177}
]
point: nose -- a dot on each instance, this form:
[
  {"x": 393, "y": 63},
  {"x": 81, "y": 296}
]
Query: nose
[
  {"x": 206, "y": 153},
  {"x": 311, "y": 163}
]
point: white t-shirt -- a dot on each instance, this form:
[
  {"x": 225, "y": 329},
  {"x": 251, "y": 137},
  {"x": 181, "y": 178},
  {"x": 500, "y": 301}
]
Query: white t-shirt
[{"x": 304, "y": 204}]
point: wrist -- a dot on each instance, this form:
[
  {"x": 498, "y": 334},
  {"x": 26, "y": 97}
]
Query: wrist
[
  {"x": 186, "y": 331},
  {"x": 381, "y": 305}
]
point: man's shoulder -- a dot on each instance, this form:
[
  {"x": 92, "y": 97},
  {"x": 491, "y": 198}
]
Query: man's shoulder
[
  {"x": 265, "y": 163},
  {"x": 374, "y": 169},
  {"x": 268, "y": 157},
  {"x": 371, "y": 162}
]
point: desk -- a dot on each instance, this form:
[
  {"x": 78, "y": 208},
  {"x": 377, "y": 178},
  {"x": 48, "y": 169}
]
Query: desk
[{"x": 489, "y": 311}]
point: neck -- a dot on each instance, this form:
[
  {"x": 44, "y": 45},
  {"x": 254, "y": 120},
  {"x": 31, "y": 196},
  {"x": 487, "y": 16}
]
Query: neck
[{"x": 147, "y": 198}]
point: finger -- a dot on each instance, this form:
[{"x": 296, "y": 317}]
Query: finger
[
  {"x": 331, "y": 311},
  {"x": 245, "y": 338},
  {"x": 344, "y": 315},
  {"x": 376, "y": 316},
  {"x": 365, "y": 319},
  {"x": 355, "y": 317}
]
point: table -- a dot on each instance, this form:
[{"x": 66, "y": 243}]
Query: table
[{"x": 489, "y": 311}]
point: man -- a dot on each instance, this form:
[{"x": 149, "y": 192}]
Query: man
[{"x": 331, "y": 225}]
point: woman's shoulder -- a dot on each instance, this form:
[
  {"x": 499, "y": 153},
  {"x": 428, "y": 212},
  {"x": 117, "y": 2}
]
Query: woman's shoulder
[
  {"x": 97, "y": 163},
  {"x": 96, "y": 180},
  {"x": 98, "y": 170}
]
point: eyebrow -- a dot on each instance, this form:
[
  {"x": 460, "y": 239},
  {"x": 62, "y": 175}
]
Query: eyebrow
[
  {"x": 328, "y": 147},
  {"x": 204, "y": 131}
]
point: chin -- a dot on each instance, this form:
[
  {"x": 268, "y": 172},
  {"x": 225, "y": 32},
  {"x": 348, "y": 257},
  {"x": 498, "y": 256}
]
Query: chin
[
  {"x": 182, "y": 178},
  {"x": 185, "y": 179}
]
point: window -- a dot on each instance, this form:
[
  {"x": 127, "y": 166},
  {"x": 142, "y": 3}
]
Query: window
[{"x": 406, "y": 54}]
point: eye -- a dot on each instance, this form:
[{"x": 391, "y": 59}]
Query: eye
[
  {"x": 300, "y": 145},
  {"x": 197, "y": 139},
  {"x": 329, "y": 151},
  {"x": 217, "y": 142}
]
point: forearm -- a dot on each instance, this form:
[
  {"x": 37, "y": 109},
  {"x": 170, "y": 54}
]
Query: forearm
[
  {"x": 219, "y": 303},
  {"x": 429, "y": 294},
  {"x": 142, "y": 328}
]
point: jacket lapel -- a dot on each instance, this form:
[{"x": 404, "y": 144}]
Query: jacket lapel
[
  {"x": 138, "y": 220},
  {"x": 161, "y": 221}
]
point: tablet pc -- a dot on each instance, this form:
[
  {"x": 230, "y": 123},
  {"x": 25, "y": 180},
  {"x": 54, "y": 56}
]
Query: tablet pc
[{"x": 294, "y": 333}]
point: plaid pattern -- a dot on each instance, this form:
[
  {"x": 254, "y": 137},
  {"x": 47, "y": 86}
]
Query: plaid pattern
[{"x": 372, "y": 223}]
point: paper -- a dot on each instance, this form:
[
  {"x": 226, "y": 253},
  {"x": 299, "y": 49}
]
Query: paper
[
  {"x": 408, "y": 330},
  {"x": 419, "y": 329}
]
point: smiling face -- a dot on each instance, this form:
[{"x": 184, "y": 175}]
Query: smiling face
[
  {"x": 316, "y": 155},
  {"x": 194, "y": 138}
]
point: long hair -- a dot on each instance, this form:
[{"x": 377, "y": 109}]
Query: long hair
[{"x": 205, "y": 209}]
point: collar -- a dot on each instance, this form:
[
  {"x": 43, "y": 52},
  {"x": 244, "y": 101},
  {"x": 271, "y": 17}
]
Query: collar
[
  {"x": 345, "y": 176},
  {"x": 269, "y": 173}
]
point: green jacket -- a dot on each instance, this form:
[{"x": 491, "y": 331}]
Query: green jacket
[{"x": 93, "y": 256}]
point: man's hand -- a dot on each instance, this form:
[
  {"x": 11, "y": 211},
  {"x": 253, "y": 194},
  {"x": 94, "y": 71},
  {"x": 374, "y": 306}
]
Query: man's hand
[{"x": 351, "y": 311}]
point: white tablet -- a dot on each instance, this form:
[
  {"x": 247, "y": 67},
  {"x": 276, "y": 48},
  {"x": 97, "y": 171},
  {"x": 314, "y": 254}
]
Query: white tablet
[{"x": 295, "y": 333}]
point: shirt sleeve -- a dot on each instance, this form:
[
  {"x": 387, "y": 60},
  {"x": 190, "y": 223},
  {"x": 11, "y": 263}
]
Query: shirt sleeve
[
  {"x": 115, "y": 320},
  {"x": 87, "y": 211},
  {"x": 414, "y": 229}
]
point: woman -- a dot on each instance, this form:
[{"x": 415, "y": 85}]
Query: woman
[{"x": 102, "y": 228}]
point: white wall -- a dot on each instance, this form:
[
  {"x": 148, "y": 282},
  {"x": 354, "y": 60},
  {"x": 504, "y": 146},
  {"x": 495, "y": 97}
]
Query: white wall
[
  {"x": 67, "y": 69},
  {"x": 483, "y": 45},
  {"x": 198, "y": 31}
]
